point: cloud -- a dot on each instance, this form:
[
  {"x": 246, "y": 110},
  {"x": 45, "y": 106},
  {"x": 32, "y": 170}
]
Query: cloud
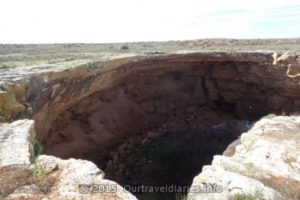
[
  {"x": 35, "y": 21},
  {"x": 251, "y": 22}
]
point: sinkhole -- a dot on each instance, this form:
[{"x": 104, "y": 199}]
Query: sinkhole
[{"x": 156, "y": 121}]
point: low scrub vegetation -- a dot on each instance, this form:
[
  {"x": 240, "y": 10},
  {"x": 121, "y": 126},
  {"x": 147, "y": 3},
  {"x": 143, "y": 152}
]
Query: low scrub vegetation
[
  {"x": 39, "y": 172},
  {"x": 257, "y": 195},
  {"x": 37, "y": 150},
  {"x": 180, "y": 196}
]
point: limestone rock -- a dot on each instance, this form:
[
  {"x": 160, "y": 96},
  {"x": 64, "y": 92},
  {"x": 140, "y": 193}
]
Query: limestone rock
[
  {"x": 229, "y": 184},
  {"x": 62, "y": 179},
  {"x": 81, "y": 179},
  {"x": 26, "y": 192},
  {"x": 9, "y": 106},
  {"x": 266, "y": 159},
  {"x": 16, "y": 142}
]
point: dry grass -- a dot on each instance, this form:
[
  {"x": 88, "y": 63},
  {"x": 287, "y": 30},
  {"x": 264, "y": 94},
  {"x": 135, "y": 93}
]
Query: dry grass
[{"x": 257, "y": 195}]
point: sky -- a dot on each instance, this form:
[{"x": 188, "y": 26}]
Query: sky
[{"x": 107, "y": 21}]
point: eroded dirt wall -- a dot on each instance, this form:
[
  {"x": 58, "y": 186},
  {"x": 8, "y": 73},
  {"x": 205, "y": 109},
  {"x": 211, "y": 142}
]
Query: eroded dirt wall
[{"x": 92, "y": 109}]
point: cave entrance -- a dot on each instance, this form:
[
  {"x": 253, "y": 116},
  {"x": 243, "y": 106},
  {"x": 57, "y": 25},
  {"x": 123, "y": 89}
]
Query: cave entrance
[
  {"x": 167, "y": 159},
  {"x": 157, "y": 122}
]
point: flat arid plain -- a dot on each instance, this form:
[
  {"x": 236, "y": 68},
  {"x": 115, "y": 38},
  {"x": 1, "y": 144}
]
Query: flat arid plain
[{"x": 68, "y": 54}]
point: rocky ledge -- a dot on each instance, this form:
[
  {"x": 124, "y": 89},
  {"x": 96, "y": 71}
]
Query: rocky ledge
[
  {"x": 78, "y": 113},
  {"x": 47, "y": 177},
  {"x": 264, "y": 163}
]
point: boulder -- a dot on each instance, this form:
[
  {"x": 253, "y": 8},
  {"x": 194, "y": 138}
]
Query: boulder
[{"x": 16, "y": 141}]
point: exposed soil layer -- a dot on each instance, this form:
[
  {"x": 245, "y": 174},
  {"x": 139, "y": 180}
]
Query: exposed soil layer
[{"x": 85, "y": 113}]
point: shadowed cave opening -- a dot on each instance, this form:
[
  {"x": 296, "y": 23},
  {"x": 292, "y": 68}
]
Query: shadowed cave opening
[
  {"x": 166, "y": 158},
  {"x": 157, "y": 123}
]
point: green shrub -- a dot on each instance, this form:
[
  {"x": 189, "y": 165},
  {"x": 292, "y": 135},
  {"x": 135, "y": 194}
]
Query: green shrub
[
  {"x": 180, "y": 196},
  {"x": 258, "y": 195},
  {"x": 39, "y": 173},
  {"x": 37, "y": 150},
  {"x": 124, "y": 47}
]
